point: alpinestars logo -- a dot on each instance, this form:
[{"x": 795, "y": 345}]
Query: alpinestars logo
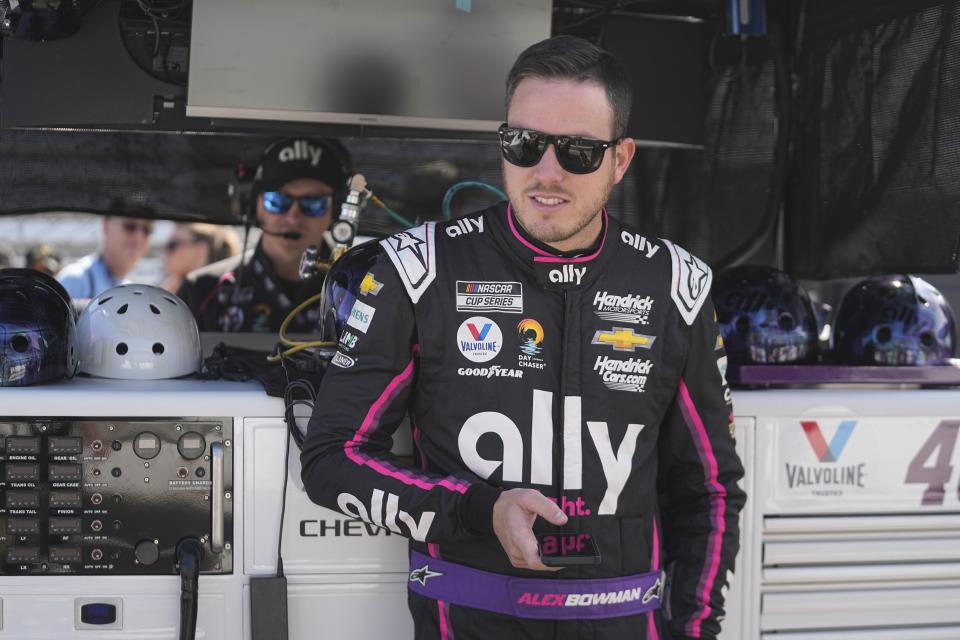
[
  {"x": 412, "y": 253},
  {"x": 405, "y": 241},
  {"x": 826, "y": 479},
  {"x": 423, "y": 574},
  {"x": 629, "y": 308},
  {"x": 696, "y": 277}
]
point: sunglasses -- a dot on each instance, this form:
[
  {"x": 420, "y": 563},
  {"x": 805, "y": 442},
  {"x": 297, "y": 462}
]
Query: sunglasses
[
  {"x": 576, "y": 154},
  {"x": 173, "y": 245},
  {"x": 311, "y": 206},
  {"x": 132, "y": 227}
]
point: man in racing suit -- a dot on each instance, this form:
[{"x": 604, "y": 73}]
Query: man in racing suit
[{"x": 562, "y": 373}]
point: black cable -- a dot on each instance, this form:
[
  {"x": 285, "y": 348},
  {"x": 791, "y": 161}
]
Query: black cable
[
  {"x": 248, "y": 223},
  {"x": 189, "y": 554},
  {"x": 290, "y": 402},
  {"x": 283, "y": 505},
  {"x": 293, "y": 433}
]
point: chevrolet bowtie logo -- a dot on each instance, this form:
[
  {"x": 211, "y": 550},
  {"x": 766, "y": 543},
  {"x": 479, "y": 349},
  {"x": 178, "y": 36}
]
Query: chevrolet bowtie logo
[
  {"x": 423, "y": 574},
  {"x": 370, "y": 285},
  {"x": 623, "y": 339}
]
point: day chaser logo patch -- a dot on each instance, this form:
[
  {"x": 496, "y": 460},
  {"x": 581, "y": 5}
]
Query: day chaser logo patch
[
  {"x": 361, "y": 315},
  {"x": 479, "y": 339},
  {"x": 623, "y": 375},
  {"x": 629, "y": 308},
  {"x": 369, "y": 285},
  {"x": 489, "y": 296},
  {"x": 623, "y": 339},
  {"x": 530, "y": 334}
]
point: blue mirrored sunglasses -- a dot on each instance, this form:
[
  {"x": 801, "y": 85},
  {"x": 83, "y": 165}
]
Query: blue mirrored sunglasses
[{"x": 312, "y": 206}]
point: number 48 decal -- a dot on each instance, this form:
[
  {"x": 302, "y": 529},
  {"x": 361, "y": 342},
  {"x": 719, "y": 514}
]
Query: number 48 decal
[{"x": 941, "y": 442}]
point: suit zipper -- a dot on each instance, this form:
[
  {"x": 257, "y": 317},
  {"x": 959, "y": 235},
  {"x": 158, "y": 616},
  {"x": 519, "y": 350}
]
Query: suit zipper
[{"x": 559, "y": 451}]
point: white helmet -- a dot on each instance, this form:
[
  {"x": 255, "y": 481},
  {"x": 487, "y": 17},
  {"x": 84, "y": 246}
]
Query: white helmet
[{"x": 138, "y": 332}]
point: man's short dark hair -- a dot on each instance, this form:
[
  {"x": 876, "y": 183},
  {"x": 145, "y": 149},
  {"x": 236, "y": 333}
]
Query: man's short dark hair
[{"x": 572, "y": 58}]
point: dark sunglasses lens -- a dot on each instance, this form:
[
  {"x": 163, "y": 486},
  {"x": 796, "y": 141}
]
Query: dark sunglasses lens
[
  {"x": 580, "y": 156},
  {"x": 314, "y": 207},
  {"x": 522, "y": 147},
  {"x": 276, "y": 202}
]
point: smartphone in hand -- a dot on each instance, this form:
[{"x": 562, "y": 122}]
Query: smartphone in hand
[{"x": 567, "y": 549}]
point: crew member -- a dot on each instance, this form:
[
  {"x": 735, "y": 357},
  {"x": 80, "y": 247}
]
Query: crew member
[
  {"x": 125, "y": 240},
  {"x": 297, "y": 186}
]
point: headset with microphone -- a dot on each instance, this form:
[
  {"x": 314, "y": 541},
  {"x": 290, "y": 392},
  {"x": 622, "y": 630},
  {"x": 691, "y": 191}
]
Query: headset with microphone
[
  {"x": 287, "y": 235},
  {"x": 244, "y": 190}
]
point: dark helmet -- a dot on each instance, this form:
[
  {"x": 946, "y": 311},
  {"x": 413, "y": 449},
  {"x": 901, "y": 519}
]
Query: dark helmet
[
  {"x": 342, "y": 287},
  {"x": 38, "y": 330},
  {"x": 765, "y": 316},
  {"x": 894, "y": 320}
]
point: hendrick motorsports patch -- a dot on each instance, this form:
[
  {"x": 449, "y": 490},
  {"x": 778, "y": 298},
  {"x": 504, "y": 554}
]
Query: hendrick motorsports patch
[{"x": 473, "y": 296}]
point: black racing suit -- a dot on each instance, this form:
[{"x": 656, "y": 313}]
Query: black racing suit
[
  {"x": 227, "y": 296},
  {"x": 596, "y": 380}
]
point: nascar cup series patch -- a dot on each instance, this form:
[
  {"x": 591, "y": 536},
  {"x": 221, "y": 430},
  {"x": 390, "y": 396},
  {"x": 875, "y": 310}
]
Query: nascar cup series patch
[
  {"x": 479, "y": 339},
  {"x": 489, "y": 296}
]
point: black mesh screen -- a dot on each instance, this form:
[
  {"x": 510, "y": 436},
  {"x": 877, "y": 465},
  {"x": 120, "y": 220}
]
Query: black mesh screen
[
  {"x": 875, "y": 184},
  {"x": 185, "y": 177},
  {"x": 714, "y": 201}
]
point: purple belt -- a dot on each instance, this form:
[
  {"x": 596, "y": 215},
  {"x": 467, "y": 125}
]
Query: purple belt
[{"x": 531, "y": 597}]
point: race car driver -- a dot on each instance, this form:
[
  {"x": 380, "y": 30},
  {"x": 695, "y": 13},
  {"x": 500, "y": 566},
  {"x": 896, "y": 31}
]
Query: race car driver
[
  {"x": 562, "y": 374},
  {"x": 297, "y": 185}
]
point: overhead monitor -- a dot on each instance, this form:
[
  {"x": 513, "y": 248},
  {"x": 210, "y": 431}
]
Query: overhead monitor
[{"x": 428, "y": 64}]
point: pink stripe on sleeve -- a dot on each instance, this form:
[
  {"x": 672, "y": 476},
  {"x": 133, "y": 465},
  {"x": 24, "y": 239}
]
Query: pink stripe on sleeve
[
  {"x": 718, "y": 503},
  {"x": 370, "y": 423}
]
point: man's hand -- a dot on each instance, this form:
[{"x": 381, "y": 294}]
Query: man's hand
[{"x": 514, "y": 513}]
